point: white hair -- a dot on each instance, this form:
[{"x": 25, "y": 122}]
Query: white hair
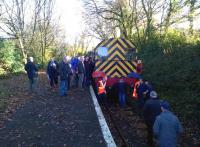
[{"x": 31, "y": 59}]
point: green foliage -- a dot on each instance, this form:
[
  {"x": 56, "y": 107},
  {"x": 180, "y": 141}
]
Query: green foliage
[
  {"x": 172, "y": 65},
  {"x": 10, "y": 59}
]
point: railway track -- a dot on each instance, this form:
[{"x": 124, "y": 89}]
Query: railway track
[
  {"x": 127, "y": 128},
  {"x": 118, "y": 130}
]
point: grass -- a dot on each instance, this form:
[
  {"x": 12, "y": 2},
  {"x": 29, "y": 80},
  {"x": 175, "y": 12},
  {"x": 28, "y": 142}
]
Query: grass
[
  {"x": 3, "y": 104},
  {"x": 6, "y": 89},
  {"x": 8, "y": 75},
  {"x": 4, "y": 95}
]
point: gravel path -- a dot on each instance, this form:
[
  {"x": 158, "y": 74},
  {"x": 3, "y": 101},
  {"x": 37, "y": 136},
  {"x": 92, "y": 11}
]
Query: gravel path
[{"x": 48, "y": 120}]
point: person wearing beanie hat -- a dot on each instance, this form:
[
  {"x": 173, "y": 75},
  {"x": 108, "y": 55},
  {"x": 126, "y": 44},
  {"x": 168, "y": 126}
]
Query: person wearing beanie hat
[
  {"x": 164, "y": 105},
  {"x": 167, "y": 127},
  {"x": 150, "y": 111}
]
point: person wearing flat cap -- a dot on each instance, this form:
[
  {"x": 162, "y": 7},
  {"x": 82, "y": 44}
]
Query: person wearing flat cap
[
  {"x": 150, "y": 111},
  {"x": 167, "y": 127}
]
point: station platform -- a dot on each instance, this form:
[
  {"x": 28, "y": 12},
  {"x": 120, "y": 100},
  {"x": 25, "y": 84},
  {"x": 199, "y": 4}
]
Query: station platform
[{"x": 48, "y": 120}]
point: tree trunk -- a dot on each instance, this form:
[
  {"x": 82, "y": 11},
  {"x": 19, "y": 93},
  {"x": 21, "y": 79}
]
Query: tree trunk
[
  {"x": 191, "y": 16},
  {"x": 24, "y": 54}
]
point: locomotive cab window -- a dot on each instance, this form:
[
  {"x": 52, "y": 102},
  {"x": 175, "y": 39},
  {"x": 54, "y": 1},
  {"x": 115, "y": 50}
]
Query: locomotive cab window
[{"x": 102, "y": 52}]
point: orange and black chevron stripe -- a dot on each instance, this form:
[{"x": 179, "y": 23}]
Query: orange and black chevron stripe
[{"x": 115, "y": 64}]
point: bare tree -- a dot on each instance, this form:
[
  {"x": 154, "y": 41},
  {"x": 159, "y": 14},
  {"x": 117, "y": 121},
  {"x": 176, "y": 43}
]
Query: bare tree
[
  {"x": 136, "y": 19},
  {"x": 81, "y": 44},
  {"x": 13, "y": 21},
  {"x": 101, "y": 24},
  {"x": 46, "y": 27},
  {"x": 31, "y": 23},
  {"x": 194, "y": 6},
  {"x": 16, "y": 22}
]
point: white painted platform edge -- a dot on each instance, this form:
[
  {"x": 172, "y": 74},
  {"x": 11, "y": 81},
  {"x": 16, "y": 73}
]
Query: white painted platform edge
[{"x": 104, "y": 127}]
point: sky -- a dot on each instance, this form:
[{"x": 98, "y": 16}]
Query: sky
[{"x": 70, "y": 12}]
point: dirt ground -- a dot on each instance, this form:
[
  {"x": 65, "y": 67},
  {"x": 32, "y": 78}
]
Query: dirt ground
[{"x": 43, "y": 118}]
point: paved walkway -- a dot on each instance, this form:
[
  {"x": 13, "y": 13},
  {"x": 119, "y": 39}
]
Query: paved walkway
[{"x": 48, "y": 120}]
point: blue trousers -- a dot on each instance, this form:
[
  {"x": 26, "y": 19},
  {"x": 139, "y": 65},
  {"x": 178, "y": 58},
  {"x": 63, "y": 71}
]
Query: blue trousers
[
  {"x": 63, "y": 87},
  {"x": 122, "y": 99}
]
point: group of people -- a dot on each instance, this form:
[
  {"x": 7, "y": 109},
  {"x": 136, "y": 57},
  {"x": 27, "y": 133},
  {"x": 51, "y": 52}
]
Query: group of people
[
  {"x": 162, "y": 124},
  {"x": 73, "y": 72}
]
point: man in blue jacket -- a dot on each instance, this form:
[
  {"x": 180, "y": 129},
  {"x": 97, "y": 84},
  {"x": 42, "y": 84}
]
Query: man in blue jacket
[
  {"x": 166, "y": 127},
  {"x": 74, "y": 68}
]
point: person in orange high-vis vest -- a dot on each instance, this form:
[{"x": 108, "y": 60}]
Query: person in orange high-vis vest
[
  {"x": 135, "y": 95},
  {"x": 102, "y": 91},
  {"x": 102, "y": 86}
]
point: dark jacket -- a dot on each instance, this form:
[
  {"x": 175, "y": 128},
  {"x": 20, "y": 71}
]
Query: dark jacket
[
  {"x": 52, "y": 70},
  {"x": 140, "y": 90},
  {"x": 151, "y": 109},
  {"x": 148, "y": 88},
  {"x": 166, "y": 129},
  {"x": 31, "y": 70},
  {"x": 81, "y": 67},
  {"x": 64, "y": 70}
]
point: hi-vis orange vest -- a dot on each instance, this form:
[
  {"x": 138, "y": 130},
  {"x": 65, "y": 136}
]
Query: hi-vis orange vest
[
  {"x": 135, "y": 95},
  {"x": 101, "y": 88}
]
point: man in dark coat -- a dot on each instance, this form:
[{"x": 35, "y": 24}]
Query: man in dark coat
[
  {"x": 89, "y": 65},
  {"x": 150, "y": 111},
  {"x": 81, "y": 72},
  {"x": 64, "y": 71},
  {"x": 52, "y": 72},
  {"x": 148, "y": 89},
  {"x": 31, "y": 70},
  {"x": 141, "y": 90}
]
